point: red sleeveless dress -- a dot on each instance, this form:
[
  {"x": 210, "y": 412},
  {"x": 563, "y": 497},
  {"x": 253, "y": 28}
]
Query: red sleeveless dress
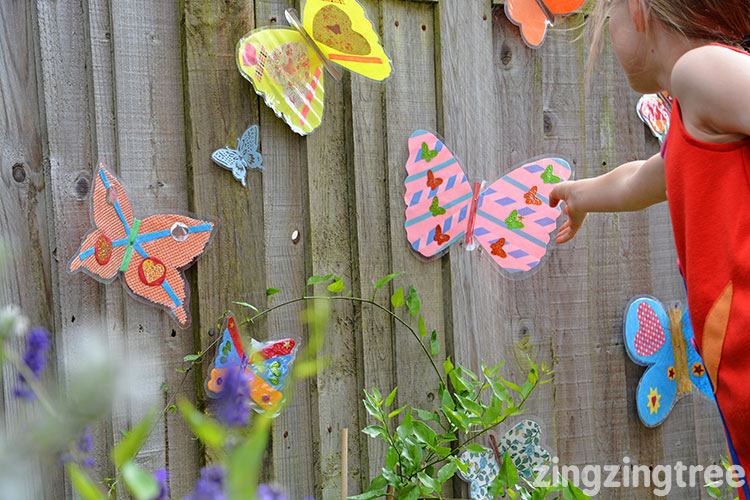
[{"x": 708, "y": 190}]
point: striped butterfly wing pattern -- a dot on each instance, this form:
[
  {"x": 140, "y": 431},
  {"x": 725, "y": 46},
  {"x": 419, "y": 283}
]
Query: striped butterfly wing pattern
[
  {"x": 437, "y": 196},
  {"x": 514, "y": 220}
]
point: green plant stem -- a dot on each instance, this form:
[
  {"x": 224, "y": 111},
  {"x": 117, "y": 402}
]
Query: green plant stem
[
  {"x": 31, "y": 380},
  {"x": 351, "y": 299},
  {"x": 483, "y": 431}
]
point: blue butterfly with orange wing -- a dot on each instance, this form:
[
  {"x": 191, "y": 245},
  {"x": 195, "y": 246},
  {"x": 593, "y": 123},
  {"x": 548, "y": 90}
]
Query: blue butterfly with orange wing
[
  {"x": 662, "y": 339},
  {"x": 239, "y": 160},
  {"x": 267, "y": 367}
]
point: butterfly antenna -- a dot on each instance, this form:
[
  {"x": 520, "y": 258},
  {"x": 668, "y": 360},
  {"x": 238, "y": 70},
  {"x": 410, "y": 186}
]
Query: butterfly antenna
[{"x": 547, "y": 13}]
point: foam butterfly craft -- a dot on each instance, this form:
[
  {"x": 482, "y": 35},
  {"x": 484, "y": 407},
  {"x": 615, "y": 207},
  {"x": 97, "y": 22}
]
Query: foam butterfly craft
[
  {"x": 267, "y": 367},
  {"x": 522, "y": 443},
  {"x": 534, "y": 17},
  {"x": 511, "y": 218},
  {"x": 150, "y": 254},
  {"x": 662, "y": 340},
  {"x": 239, "y": 160},
  {"x": 654, "y": 110},
  {"x": 285, "y": 64}
]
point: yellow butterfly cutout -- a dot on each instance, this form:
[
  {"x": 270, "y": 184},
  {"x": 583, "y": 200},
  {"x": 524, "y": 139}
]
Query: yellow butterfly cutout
[{"x": 286, "y": 65}]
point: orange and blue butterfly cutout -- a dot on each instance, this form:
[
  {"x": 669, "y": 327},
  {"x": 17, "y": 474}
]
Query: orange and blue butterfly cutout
[
  {"x": 511, "y": 218},
  {"x": 150, "y": 254},
  {"x": 267, "y": 367},
  {"x": 534, "y": 17},
  {"x": 662, "y": 339},
  {"x": 286, "y": 64}
]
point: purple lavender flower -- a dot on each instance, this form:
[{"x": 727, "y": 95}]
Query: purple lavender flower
[
  {"x": 35, "y": 358},
  {"x": 210, "y": 485},
  {"x": 268, "y": 492},
  {"x": 232, "y": 407},
  {"x": 162, "y": 478},
  {"x": 86, "y": 442}
]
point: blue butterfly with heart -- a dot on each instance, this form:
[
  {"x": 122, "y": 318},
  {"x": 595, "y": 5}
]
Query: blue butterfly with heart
[
  {"x": 662, "y": 339},
  {"x": 245, "y": 157}
]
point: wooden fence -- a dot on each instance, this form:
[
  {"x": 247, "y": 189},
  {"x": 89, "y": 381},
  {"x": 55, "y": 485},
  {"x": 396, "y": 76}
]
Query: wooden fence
[{"x": 151, "y": 88}]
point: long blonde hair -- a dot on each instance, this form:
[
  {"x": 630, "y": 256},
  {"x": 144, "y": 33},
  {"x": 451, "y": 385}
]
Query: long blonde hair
[{"x": 724, "y": 21}]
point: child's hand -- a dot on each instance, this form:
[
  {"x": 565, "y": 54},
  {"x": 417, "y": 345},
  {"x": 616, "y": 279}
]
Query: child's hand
[{"x": 565, "y": 192}]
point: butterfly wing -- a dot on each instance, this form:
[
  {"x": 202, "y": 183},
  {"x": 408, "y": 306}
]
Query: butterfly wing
[
  {"x": 481, "y": 471},
  {"x": 166, "y": 244},
  {"x": 648, "y": 342},
  {"x": 508, "y": 211},
  {"x": 270, "y": 364},
  {"x": 449, "y": 185},
  {"x": 232, "y": 161},
  {"x": 287, "y": 73},
  {"x": 342, "y": 31},
  {"x": 101, "y": 251},
  {"x": 698, "y": 373},
  {"x": 229, "y": 355},
  {"x": 247, "y": 146},
  {"x": 653, "y": 111},
  {"x": 523, "y": 444},
  {"x": 531, "y": 20}
]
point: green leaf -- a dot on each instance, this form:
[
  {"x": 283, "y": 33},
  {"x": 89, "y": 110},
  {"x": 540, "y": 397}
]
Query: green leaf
[
  {"x": 192, "y": 357},
  {"x": 370, "y": 494},
  {"x": 428, "y": 481},
  {"x": 132, "y": 441},
  {"x": 420, "y": 326},
  {"x": 396, "y": 412},
  {"x": 508, "y": 474},
  {"x": 317, "y": 280},
  {"x": 272, "y": 291},
  {"x": 572, "y": 492},
  {"x": 391, "y": 397},
  {"x": 434, "y": 344},
  {"x": 244, "y": 461},
  {"x": 424, "y": 432},
  {"x": 412, "y": 302},
  {"x": 391, "y": 457},
  {"x": 397, "y": 299},
  {"x": 336, "y": 286},
  {"x": 245, "y": 304},
  {"x": 205, "y": 428},
  {"x": 374, "y": 431},
  {"x": 475, "y": 448},
  {"x": 446, "y": 472},
  {"x": 140, "y": 483},
  {"x": 386, "y": 279},
  {"x": 82, "y": 483}
]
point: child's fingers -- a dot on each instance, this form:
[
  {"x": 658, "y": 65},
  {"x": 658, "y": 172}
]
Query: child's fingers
[{"x": 558, "y": 194}]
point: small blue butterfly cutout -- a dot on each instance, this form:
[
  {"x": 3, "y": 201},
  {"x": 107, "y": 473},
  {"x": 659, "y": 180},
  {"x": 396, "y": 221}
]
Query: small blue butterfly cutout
[{"x": 244, "y": 157}]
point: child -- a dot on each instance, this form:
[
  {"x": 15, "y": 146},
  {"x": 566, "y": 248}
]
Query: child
[{"x": 697, "y": 50}]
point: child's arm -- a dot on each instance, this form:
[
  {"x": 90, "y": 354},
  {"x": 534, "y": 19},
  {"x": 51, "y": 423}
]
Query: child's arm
[{"x": 629, "y": 187}]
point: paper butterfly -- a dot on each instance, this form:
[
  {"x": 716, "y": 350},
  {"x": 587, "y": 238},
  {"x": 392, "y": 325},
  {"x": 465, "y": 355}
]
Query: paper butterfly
[
  {"x": 285, "y": 65},
  {"x": 534, "y": 17},
  {"x": 663, "y": 340},
  {"x": 244, "y": 157},
  {"x": 522, "y": 444},
  {"x": 267, "y": 367},
  {"x": 511, "y": 218},
  {"x": 654, "y": 111},
  {"x": 150, "y": 253}
]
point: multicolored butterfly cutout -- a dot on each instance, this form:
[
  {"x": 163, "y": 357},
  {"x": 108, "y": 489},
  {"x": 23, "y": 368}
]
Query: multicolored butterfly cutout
[
  {"x": 534, "y": 17},
  {"x": 654, "y": 110},
  {"x": 662, "y": 340},
  {"x": 267, "y": 367},
  {"x": 285, "y": 65},
  {"x": 522, "y": 443},
  {"x": 151, "y": 254},
  {"x": 245, "y": 157},
  {"x": 511, "y": 218}
]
